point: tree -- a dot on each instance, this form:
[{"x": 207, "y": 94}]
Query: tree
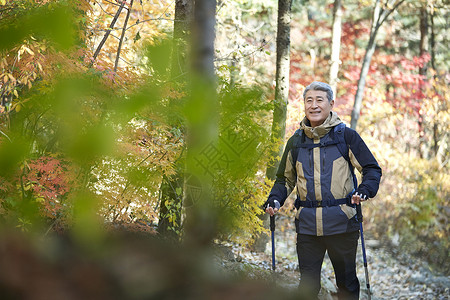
[
  {"x": 335, "y": 44},
  {"x": 201, "y": 119},
  {"x": 108, "y": 31},
  {"x": 423, "y": 49},
  {"x": 380, "y": 13},
  {"x": 281, "y": 96},
  {"x": 124, "y": 30},
  {"x": 282, "y": 83},
  {"x": 172, "y": 186},
  {"x": 181, "y": 29}
]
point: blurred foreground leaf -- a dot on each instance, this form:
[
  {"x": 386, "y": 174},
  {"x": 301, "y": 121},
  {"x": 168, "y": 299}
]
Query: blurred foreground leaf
[{"x": 54, "y": 23}]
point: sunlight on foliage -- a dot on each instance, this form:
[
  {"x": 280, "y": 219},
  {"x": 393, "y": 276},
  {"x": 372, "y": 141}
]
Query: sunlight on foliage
[
  {"x": 77, "y": 152},
  {"x": 87, "y": 143}
]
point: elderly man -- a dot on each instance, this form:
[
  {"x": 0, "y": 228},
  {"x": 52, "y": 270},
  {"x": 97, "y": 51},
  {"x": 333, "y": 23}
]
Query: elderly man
[{"x": 319, "y": 161}]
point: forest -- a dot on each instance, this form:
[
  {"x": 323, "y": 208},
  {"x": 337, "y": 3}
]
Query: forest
[{"x": 139, "y": 140}]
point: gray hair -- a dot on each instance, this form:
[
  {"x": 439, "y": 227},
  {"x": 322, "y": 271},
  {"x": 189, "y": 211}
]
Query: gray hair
[{"x": 320, "y": 86}]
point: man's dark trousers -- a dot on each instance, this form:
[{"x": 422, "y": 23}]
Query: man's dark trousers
[{"x": 342, "y": 252}]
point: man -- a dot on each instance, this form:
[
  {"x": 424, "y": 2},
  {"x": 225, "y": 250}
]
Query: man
[{"x": 313, "y": 164}]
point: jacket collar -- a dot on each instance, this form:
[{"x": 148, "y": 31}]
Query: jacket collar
[{"x": 321, "y": 130}]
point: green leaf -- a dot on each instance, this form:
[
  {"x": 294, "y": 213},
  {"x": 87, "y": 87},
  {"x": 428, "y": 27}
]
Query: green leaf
[{"x": 55, "y": 24}]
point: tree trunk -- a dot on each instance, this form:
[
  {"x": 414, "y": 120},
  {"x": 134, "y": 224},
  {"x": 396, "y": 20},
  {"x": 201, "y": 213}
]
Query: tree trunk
[
  {"x": 335, "y": 45},
  {"x": 172, "y": 187},
  {"x": 282, "y": 82},
  {"x": 378, "y": 18},
  {"x": 370, "y": 49},
  {"x": 203, "y": 37},
  {"x": 423, "y": 48},
  {"x": 169, "y": 223},
  {"x": 122, "y": 36},
  {"x": 423, "y": 34},
  {"x": 433, "y": 65},
  {"x": 181, "y": 29},
  {"x": 202, "y": 126},
  {"x": 362, "y": 82},
  {"x": 281, "y": 98},
  {"x": 433, "y": 42}
]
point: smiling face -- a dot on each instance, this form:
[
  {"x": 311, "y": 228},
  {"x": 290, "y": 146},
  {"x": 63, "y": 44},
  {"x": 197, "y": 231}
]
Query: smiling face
[{"x": 317, "y": 107}]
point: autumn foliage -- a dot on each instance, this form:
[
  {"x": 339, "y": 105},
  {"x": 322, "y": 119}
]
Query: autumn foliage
[{"x": 85, "y": 136}]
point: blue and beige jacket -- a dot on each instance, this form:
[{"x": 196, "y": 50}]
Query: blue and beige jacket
[{"x": 323, "y": 178}]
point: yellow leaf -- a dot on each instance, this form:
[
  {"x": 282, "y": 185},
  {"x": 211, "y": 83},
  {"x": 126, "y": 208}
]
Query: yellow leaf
[
  {"x": 40, "y": 200},
  {"x": 3, "y": 2},
  {"x": 18, "y": 107},
  {"x": 16, "y": 93},
  {"x": 5, "y": 78},
  {"x": 28, "y": 50}
]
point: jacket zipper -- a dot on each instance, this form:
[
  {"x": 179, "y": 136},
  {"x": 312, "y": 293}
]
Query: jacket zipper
[
  {"x": 323, "y": 161},
  {"x": 311, "y": 153}
]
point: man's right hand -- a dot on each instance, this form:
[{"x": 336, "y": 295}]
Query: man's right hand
[{"x": 272, "y": 207}]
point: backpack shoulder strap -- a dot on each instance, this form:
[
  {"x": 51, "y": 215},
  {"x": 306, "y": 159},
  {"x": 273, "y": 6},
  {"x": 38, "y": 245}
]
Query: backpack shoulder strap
[
  {"x": 339, "y": 134},
  {"x": 297, "y": 141}
]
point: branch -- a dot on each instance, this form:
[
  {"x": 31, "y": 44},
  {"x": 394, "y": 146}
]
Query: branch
[
  {"x": 116, "y": 37},
  {"x": 108, "y": 31},
  {"x": 151, "y": 19},
  {"x": 244, "y": 55},
  {"x": 110, "y": 2},
  {"x": 376, "y": 23},
  {"x": 122, "y": 36},
  {"x": 4, "y": 134},
  {"x": 387, "y": 12},
  {"x": 395, "y": 7},
  {"x": 126, "y": 61},
  {"x": 101, "y": 7},
  {"x": 158, "y": 18}
]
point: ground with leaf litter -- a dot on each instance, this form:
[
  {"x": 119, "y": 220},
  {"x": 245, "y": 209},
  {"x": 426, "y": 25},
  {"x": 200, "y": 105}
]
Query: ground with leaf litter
[{"x": 392, "y": 275}]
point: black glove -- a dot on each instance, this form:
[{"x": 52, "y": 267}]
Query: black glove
[
  {"x": 271, "y": 203},
  {"x": 362, "y": 195}
]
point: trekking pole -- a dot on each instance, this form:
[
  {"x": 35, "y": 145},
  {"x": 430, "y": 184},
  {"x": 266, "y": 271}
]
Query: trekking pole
[
  {"x": 360, "y": 220},
  {"x": 272, "y": 231}
]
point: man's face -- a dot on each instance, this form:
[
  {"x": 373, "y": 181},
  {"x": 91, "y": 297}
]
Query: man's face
[{"x": 317, "y": 107}]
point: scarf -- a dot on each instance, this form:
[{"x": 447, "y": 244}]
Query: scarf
[{"x": 321, "y": 130}]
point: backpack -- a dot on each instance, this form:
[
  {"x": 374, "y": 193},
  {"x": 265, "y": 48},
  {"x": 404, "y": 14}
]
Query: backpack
[{"x": 337, "y": 138}]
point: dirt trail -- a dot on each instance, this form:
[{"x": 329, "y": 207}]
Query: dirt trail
[{"x": 390, "y": 276}]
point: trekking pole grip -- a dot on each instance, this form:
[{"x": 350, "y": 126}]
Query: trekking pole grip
[
  {"x": 272, "y": 223},
  {"x": 359, "y": 213}
]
